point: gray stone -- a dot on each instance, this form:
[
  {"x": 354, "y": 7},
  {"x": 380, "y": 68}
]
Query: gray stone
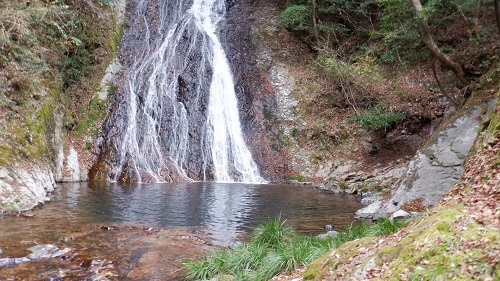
[
  {"x": 4, "y": 174},
  {"x": 369, "y": 211},
  {"x": 341, "y": 170},
  {"x": 38, "y": 252},
  {"x": 437, "y": 167},
  {"x": 362, "y": 272},
  {"x": 330, "y": 233},
  {"x": 72, "y": 168},
  {"x": 98, "y": 277},
  {"x": 284, "y": 84},
  {"x": 400, "y": 214},
  {"x": 25, "y": 187},
  {"x": 11, "y": 261}
]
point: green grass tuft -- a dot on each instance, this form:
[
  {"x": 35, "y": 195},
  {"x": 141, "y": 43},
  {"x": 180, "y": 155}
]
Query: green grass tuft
[{"x": 276, "y": 247}]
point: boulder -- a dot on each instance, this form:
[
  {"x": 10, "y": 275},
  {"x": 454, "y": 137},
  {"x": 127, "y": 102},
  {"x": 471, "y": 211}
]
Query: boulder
[
  {"x": 400, "y": 214},
  {"x": 438, "y": 165},
  {"x": 370, "y": 211}
]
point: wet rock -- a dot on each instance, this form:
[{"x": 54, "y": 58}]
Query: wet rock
[
  {"x": 370, "y": 196},
  {"x": 235, "y": 245},
  {"x": 38, "y": 252},
  {"x": 46, "y": 251},
  {"x": 98, "y": 277},
  {"x": 12, "y": 261},
  {"x": 177, "y": 117}
]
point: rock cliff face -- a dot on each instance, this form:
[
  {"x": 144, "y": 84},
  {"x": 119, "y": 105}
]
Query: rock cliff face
[
  {"x": 190, "y": 90},
  {"x": 22, "y": 188},
  {"x": 26, "y": 181},
  {"x": 241, "y": 37},
  {"x": 34, "y": 149},
  {"x": 271, "y": 87},
  {"x": 436, "y": 167}
]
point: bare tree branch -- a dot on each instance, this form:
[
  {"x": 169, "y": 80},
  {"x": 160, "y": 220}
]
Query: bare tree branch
[{"x": 433, "y": 48}]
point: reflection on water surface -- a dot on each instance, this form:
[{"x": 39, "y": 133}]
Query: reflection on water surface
[
  {"x": 77, "y": 213},
  {"x": 225, "y": 210}
]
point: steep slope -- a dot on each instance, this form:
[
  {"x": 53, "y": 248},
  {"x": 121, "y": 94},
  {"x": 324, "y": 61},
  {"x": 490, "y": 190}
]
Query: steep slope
[
  {"x": 52, "y": 54},
  {"x": 457, "y": 239}
]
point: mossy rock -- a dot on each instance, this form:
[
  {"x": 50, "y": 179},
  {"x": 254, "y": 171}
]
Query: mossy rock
[{"x": 319, "y": 268}]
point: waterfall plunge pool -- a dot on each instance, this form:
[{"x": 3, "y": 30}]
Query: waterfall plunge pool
[{"x": 138, "y": 227}]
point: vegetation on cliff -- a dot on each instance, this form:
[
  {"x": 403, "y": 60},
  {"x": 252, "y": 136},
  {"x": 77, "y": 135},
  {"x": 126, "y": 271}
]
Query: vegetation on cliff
[
  {"x": 48, "y": 56},
  {"x": 374, "y": 89}
]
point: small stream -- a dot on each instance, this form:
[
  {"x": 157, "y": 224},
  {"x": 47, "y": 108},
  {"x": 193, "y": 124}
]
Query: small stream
[{"x": 140, "y": 227}]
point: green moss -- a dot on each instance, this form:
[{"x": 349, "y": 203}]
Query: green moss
[
  {"x": 116, "y": 37},
  {"x": 491, "y": 126},
  {"x": 9, "y": 207},
  {"x": 311, "y": 272},
  {"x": 55, "y": 46},
  {"x": 299, "y": 178},
  {"x": 315, "y": 159},
  {"x": 318, "y": 269},
  {"x": 389, "y": 254},
  {"x": 442, "y": 227},
  {"x": 97, "y": 111},
  {"x": 286, "y": 141},
  {"x": 5, "y": 155},
  {"x": 418, "y": 245},
  {"x": 29, "y": 138},
  {"x": 433, "y": 249}
]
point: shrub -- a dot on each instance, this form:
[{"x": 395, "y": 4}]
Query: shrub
[
  {"x": 295, "y": 18},
  {"x": 376, "y": 118}
]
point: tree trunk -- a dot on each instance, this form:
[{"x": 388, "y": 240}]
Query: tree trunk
[
  {"x": 497, "y": 13},
  {"x": 433, "y": 48},
  {"x": 315, "y": 22}
]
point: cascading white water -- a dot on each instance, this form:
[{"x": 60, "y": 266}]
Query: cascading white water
[
  {"x": 224, "y": 138},
  {"x": 159, "y": 136}
]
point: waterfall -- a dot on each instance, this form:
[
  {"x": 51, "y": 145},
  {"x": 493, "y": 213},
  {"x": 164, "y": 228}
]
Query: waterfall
[{"x": 181, "y": 109}]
